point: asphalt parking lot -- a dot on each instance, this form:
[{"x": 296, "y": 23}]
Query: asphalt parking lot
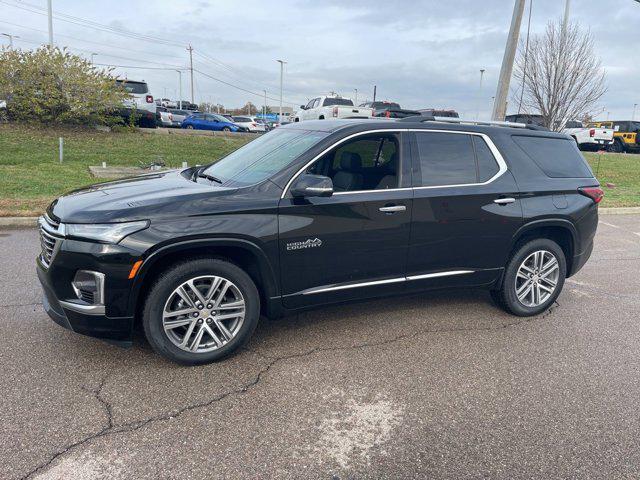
[{"x": 441, "y": 385}]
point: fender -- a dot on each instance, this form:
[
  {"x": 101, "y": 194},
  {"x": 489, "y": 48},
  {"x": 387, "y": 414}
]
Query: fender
[
  {"x": 548, "y": 222},
  {"x": 271, "y": 285}
]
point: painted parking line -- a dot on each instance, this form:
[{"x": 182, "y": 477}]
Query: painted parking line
[{"x": 608, "y": 224}]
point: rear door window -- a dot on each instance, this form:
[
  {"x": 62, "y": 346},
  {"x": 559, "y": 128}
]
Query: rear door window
[
  {"x": 556, "y": 157},
  {"x": 446, "y": 159}
]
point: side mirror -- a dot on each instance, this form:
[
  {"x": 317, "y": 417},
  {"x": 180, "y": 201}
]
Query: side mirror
[
  {"x": 312, "y": 186},
  {"x": 303, "y": 107}
]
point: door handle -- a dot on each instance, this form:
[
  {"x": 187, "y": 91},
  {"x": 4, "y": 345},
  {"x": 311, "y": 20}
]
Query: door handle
[
  {"x": 393, "y": 208},
  {"x": 504, "y": 201}
]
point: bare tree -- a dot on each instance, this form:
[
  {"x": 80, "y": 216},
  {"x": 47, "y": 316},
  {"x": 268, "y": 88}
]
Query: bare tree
[{"x": 560, "y": 76}]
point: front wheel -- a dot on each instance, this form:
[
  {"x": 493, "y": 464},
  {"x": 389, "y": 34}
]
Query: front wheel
[
  {"x": 201, "y": 311},
  {"x": 533, "y": 278},
  {"x": 189, "y": 127},
  {"x": 617, "y": 146},
  {"x": 226, "y": 129}
]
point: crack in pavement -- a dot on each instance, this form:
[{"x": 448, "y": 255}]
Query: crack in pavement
[{"x": 112, "y": 429}]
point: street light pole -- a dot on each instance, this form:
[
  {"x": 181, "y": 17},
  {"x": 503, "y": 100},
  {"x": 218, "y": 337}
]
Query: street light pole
[
  {"x": 191, "y": 69},
  {"x": 282, "y": 62},
  {"x": 356, "y": 100},
  {"x": 50, "y": 18},
  {"x": 11, "y": 37},
  {"x": 264, "y": 106},
  {"x": 633, "y": 115},
  {"x": 480, "y": 93},
  {"x": 179, "y": 89},
  {"x": 92, "y": 56},
  {"x": 500, "y": 104}
]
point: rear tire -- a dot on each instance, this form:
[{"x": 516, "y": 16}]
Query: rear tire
[
  {"x": 226, "y": 129},
  {"x": 189, "y": 127},
  {"x": 617, "y": 146},
  {"x": 533, "y": 278},
  {"x": 227, "y": 319}
]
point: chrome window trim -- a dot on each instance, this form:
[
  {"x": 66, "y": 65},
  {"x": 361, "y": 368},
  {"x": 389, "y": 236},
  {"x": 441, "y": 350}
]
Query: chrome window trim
[
  {"x": 322, "y": 289},
  {"x": 494, "y": 150}
]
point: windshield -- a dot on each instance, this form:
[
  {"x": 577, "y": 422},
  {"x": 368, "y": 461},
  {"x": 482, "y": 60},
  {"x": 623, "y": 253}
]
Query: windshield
[{"x": 263, "y": 157}]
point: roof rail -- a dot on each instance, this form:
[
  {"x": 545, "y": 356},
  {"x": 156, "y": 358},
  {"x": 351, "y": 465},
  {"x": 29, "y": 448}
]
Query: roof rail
[{"x": 431, "y": 118}]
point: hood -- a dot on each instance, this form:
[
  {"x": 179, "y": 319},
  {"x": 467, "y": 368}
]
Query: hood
[{"x": 155, "y": 195}]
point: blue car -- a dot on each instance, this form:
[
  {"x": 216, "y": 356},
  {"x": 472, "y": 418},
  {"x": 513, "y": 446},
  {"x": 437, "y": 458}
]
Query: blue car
[{"x": 210, "y": 121}]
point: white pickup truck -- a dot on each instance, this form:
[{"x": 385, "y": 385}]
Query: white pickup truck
[
  {"x": 321, "y": 108},
  {"x": 589, "y": 138}
]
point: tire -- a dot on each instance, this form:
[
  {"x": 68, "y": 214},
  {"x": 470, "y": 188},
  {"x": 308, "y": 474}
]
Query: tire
[
  {"x": 226, "y": 129},
  {"x": 227, "y": 334},
  {"x": 617, "y": 146},
  {"x": 507, "y": 298},
  {"x": 189, "y": 127},
  {"x": 321, "y": 117}
]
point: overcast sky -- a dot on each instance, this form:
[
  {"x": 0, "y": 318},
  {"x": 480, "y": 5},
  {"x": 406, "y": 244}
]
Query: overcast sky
[{"x": 420, "y": 53}]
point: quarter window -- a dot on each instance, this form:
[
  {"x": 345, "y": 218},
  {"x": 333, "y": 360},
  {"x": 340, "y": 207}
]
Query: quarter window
[
  {"x": 487, "y": 166},
  {"x": 446, "y": 159}
]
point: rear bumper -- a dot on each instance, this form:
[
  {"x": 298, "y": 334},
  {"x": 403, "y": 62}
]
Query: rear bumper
[{"x": 580, "y": 259}]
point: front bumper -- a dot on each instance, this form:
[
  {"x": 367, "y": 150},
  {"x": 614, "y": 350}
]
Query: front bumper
[{"x": 112, "y": 322}]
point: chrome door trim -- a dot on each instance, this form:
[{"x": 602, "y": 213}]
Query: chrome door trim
[
  {"x": 439, "y": 274},
  {"x": 314, "y": 290},
  {"x": 332, "y": 288},
  {"x": 494, "y": 150}
]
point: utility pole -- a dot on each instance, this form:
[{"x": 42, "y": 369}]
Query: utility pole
[
  {"x": 500, "y": 104},
  {"x": 50, "y": 15},
  {"x": 282, "y": 62},
  {"x": 264, "y": 107},
  {"x": 191, "y": 70},
  {"x": 479, "y": 94},
  {"x": 179, "y": 89},
  {"x": 565, "y": 21},
  {"x": 11, "y": 37},
  {"x": 356, "y": 99},
  {"x": 633, "y": 115},
  {"x": 375, "y": 87}
]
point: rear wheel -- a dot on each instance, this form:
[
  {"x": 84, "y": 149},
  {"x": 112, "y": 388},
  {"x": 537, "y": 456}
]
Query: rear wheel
[
  {"x": 617, "y": 146},
  {"x": 200, "y": 311},
  {"x": 226, "y": 129},
  {"x": 190, "y": 127},
  {"x": 533, "y": 278}
]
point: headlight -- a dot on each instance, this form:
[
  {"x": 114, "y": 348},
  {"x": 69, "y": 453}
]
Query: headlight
[{"x": 104, "y": 232}]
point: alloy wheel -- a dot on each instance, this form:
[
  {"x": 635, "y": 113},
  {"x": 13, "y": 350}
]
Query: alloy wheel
[
  {"x": 537, "y": 278},
  {"x": 203, "y": 314}
]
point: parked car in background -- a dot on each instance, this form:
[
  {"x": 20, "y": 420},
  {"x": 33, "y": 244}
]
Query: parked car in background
[
  {"x": 210, "y": 121},
  {"x": 179, "y": 116},
  {"x": 435, "y": 112},
  {"x": 266, "y": 124},
  {"x": 140, "y": 103},
  {"x": 389, "y": 110},
  {"x": 164, "y": 118},
  {"x": 589, "y": 138},
  {"x": 526, "y": 118},
  {"x": 334, "y": 106},
  {"x": 626, "y": 135},
  {"x": 250, "y": 123}
]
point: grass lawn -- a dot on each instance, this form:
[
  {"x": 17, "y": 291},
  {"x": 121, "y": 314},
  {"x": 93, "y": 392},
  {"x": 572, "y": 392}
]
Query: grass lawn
[
  {"x": 621, "y": 170},
  {"x": 31, "y": 176}
]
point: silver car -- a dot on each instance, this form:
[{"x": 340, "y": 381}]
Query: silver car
[{"x": 180, "y": 115}]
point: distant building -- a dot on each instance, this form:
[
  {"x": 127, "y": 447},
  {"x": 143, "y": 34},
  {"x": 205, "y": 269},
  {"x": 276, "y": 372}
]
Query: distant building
[{"x": 287, "y": 113}]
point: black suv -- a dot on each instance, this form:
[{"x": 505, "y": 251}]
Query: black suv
[{"x": 314, "y": 213}]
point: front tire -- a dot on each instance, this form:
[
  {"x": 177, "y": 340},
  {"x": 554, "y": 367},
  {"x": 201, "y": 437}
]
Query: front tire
[
  {"x": 226, "y": 129},
  {"x": 189, "y": 127},
  {"x": 533, "y": 278},
  {"x": 617, "y": 146},
  {"x": 200, "y": 311}
]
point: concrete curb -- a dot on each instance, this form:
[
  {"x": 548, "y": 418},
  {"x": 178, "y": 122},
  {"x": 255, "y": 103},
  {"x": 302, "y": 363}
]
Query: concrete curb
[
  {"x": 618, "y": 210},
  {"x": 18, "y": 222},
  {"x": 26, "y": 222}
]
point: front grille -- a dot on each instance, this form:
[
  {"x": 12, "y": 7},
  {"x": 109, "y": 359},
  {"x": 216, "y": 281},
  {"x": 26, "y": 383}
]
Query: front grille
[{"x": 48, "y": 239}]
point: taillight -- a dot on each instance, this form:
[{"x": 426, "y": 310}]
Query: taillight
[
  {"x": 594, "y": 193},
  {"x": 149, "y": 99},
  {"x": 335, "y": 111},
  {"x": 254, "y": 124},
  {"x": 592, "y": 132}
]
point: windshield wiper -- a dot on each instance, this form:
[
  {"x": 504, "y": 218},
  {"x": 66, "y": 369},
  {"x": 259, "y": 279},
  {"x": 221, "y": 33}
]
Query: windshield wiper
[{"x": 209, "y": 177}]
